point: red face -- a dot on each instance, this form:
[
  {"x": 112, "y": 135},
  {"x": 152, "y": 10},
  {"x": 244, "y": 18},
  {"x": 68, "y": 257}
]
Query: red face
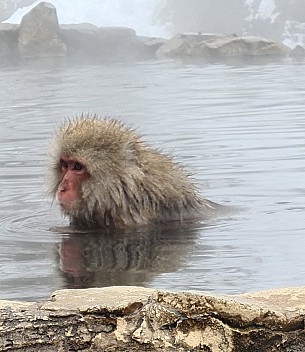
[{"x": 73, "y": 173}]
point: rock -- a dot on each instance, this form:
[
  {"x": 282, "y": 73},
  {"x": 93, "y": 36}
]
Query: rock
[
  {"x": 101, "y": 44},
  {"x": 8, "y": 43},
  {"x": 212, "y": 46},
  {"x": 39, "y": 33},
  {"x": 82, "y": 41},
  {"x": 245, "y": 46},
  {"x": 188, "y": 45},
  {"x": 130, "y": 318},
  {"x": 151, "y": 45},
  {"x": 298, "y": 52},
  {"x": 110, "y": 299}
]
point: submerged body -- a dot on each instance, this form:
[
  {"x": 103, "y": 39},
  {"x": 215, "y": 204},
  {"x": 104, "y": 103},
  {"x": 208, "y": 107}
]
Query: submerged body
[{"x": 103, "y": 175}]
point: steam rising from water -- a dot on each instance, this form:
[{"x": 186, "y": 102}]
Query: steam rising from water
[
  {"x": 136, "y": 14},
  {"x": 278, "y": 20}
]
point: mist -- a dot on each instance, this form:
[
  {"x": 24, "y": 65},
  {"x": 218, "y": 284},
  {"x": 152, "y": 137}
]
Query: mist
[
  {"x": 136, "y": 14},
  {"x": 281, "y": 20}
]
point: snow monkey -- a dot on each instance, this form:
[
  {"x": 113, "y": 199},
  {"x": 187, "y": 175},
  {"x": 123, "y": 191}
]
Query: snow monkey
[{"x": 103, "y": 175}]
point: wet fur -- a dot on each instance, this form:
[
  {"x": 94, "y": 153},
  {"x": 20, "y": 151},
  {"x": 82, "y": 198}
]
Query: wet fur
[{"x": 130, "y": 183}]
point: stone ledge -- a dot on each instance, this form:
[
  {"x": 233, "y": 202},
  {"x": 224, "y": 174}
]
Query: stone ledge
[{"x": 126, "y": 318}]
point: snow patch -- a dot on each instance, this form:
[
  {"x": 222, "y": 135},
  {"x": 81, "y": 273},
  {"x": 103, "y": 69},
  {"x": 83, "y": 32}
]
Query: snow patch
[{"x": 264, "y": 11}]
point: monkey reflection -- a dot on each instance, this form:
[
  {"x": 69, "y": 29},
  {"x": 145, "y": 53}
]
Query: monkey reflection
[
  {"x": 104, "y": 176},
  {"x": 72, "y": 263},
  {"x": 123, "y": 258}
]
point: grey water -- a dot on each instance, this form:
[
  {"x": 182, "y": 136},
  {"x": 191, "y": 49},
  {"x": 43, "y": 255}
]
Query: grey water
[{"x": 238, "y": 129}]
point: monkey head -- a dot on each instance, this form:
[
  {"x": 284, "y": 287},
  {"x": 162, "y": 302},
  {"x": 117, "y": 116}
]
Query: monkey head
[{"x": 91, "y": 158}]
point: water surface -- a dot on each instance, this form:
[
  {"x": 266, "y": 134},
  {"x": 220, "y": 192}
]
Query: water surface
[{"x": 238, "y": 129}]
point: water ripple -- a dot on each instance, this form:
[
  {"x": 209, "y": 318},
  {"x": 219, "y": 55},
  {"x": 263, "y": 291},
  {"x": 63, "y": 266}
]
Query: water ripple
[{"x": 238, "y": 130}]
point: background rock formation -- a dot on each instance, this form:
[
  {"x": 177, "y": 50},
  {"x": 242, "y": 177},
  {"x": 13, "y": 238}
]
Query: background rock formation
[
  {"x": 39, "y": 33},
  {"x": 279, "y": 20}
]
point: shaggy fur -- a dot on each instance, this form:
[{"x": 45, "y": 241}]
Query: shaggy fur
[{"x": 130, "y": 183}]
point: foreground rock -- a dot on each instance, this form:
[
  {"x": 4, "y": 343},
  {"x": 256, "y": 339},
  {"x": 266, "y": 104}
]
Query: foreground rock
[{"x": 140, "y": 319}]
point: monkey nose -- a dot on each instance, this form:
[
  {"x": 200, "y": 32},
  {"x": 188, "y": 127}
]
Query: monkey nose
[{"x": 62, "y": 188}]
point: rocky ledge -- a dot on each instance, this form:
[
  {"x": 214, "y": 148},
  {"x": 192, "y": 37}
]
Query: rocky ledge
[
  {"x": 138, "y": 319},
  {"x": 39, "y": 35}
]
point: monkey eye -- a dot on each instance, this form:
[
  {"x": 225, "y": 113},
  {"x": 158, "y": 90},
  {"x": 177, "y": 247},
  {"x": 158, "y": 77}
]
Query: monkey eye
[
  {"x": 78, "y": 166},
  {"x": 63, "y": 164}
]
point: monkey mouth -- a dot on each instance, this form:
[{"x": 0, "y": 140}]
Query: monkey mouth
[
  {"x": 62, "y": 205},
  {"x": 66, "y": 206}
]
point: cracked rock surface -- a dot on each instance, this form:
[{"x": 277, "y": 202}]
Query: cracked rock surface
[{"x": 140, "y": 319}]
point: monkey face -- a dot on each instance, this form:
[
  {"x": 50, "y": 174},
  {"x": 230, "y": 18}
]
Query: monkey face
[{"x": 72, "y": 174}]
